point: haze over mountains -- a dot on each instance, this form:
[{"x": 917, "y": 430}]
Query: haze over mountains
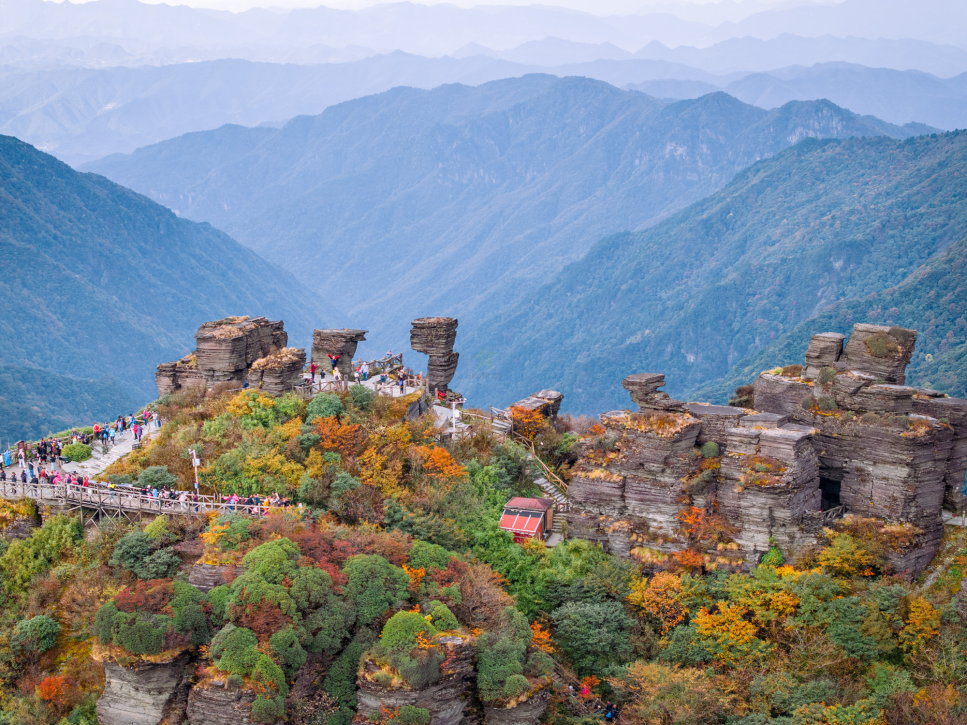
[
  {"x": 83, "y": 81},
  {"x": 101, "y": 282},
  {"x": 825, "y": 221},
  {"x": 460, "y": 200}
]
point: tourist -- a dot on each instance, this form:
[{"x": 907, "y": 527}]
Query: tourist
[
  {"x": 336, "y": 375},
  {"x": 365, "y": 371},
  {"x": 312, "y": 372},
  {"x": 156, "y": 418},
  {"x": 356, "y": 375},
  {"x": 113, "y": 433}
]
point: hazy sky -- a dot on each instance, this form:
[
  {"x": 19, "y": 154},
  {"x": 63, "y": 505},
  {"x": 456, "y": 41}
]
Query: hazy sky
[{"x": 597, "y": 7}]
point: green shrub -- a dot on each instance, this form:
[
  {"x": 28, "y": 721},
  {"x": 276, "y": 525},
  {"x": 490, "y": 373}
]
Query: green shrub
[
  {"x": 710, "y": 450},
  {"x": 218, "y": 598},
  {"x": 324, "y": 405},
  {"x": 76, "y": 452},
  {"x": 443, "y": 618},
  {"x": 498, "y": 659},
  {"x": 539, "y": 664},
  {"x": 104, "y": 622},
  {"x": 235, "y": 682},
  {"x": 273, "y": 561},
  {"x": 881, "y": 344},
  {"x": 234, "y": 650},
  {"x": 136, "y": 553},
  {"x": 807, "y": 403},
  {"x": 24, "y": 560},
  {"x": 421, "y": 668},
  {"x": 374, "y": 586},
  {"x": 271, "y": 685},
  {"x": 826, "y": 403},
  {"x": 340, "y": 682},
  {"x": 361, "y": 397},
  {"x": 157, "y": 477},
  {"x": 410, "y": 715},
  {"x": 287, "y": 650},
  {"x": 425, "y": 556},
  {"x": 515, "y": 686},
  {"x": 158, "y": 530},
  {"x": 36, "y": 635},
  {"x": 117, "y": 480},
  {"x": 401, "y": 630},
  {"x": 383, "y": 679},
  {"x": 141, "y": 633},
  {"x": 593, "y": 635},
  {"x": 827, "y": 375},
  {"x": 773, "y": 557},
  {"x": 192, "y": 623}
]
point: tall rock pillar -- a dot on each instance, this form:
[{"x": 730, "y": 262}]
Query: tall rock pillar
[{"x": 434, "y": 336}]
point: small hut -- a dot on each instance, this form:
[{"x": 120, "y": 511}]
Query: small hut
[{"x": 528, "y": 518}]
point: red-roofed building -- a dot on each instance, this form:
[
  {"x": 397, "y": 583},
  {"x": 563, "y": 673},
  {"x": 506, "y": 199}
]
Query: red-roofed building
[{"x": 528, "y": 518}]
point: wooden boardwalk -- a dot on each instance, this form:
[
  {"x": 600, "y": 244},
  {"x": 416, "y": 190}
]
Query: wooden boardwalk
[{"x": 100, "y": 502}]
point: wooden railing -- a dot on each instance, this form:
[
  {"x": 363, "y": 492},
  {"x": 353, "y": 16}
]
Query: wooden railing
[
  {"x": 386, "y": 364},
  {"x": 120, "y": 498}
]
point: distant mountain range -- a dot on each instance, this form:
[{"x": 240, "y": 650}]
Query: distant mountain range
[
  {"x": 461, "y": 200},
  {"x": 102, "y": 283},
  {"x": 895, "y": 96},
  {"x": 741, "y": 275},
  {"x": 443, "y": 28}
]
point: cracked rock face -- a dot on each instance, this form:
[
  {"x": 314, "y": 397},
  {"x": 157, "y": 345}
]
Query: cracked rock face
[
  {"x": 435, "y": 336},
  {"x": 341, "y": 342},
  {"x": 225, "y": 350},
  {"x": 145, "y": 694}
]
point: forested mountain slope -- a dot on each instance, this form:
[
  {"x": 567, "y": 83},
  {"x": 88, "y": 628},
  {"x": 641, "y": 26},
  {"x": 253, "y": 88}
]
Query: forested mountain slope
[
  {"x": 822, "y": 222},
  {"x": 932, "y": 300},
  {"x": 100, "y": 281},
  {"x": 460, "y": 200}
]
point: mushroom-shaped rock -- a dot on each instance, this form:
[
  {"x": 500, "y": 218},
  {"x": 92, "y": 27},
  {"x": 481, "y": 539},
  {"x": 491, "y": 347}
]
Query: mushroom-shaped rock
[
  {"x": 644, "y": 391},
  {"x": 336, "y": 342}
]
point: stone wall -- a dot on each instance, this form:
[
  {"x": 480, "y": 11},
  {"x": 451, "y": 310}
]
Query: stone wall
[
  {"x": 336, "y": 342},
  {"x": 435, "y": 336}
]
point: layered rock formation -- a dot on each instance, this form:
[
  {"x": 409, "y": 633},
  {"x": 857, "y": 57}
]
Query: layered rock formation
[
  {"x": 446, "y": 699},
  {"x": 336, "y": 342},
  {"x": 841, "y": 434},
  {"x": 206, "y": 577},
  {"x": 215, "y": 703},
  {"x": 435, "y": 336},
  {"x": 548, "y": 402},
  {"x": 527, "y": 712},
  {"x": 145, "y": 693},
  {"x": 278, "y": 372},
  {"x": 225, "y": 351}
]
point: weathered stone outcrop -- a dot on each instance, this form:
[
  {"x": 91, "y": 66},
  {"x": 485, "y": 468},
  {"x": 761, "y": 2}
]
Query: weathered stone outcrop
[
  {"x": 206, "y": 577},
  {"x": 435, "y": 336},
  {"x": 881, "y": 351},
  {"x": 528, "y": 712},
  {"x": 212, "y": 703},
  {"x": 630, "y": 496},
  {"x": 840, "y": 435},
  {"x": 145, "y": 693},
  {"x": 336, "y": 342},
  {"x": 20, "y": 528},
  {"x": 548, "y": 402},
  {"x": 769, "y": 481},
  {"x": 279, "y": 372},
  {"x": 446, "y": 699},
  {"x": 824, "y": 351},
  {"x": 644, "y": 392},
  {"x": 225, "y": 351},
  {"x": 954, "y": 412}
]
